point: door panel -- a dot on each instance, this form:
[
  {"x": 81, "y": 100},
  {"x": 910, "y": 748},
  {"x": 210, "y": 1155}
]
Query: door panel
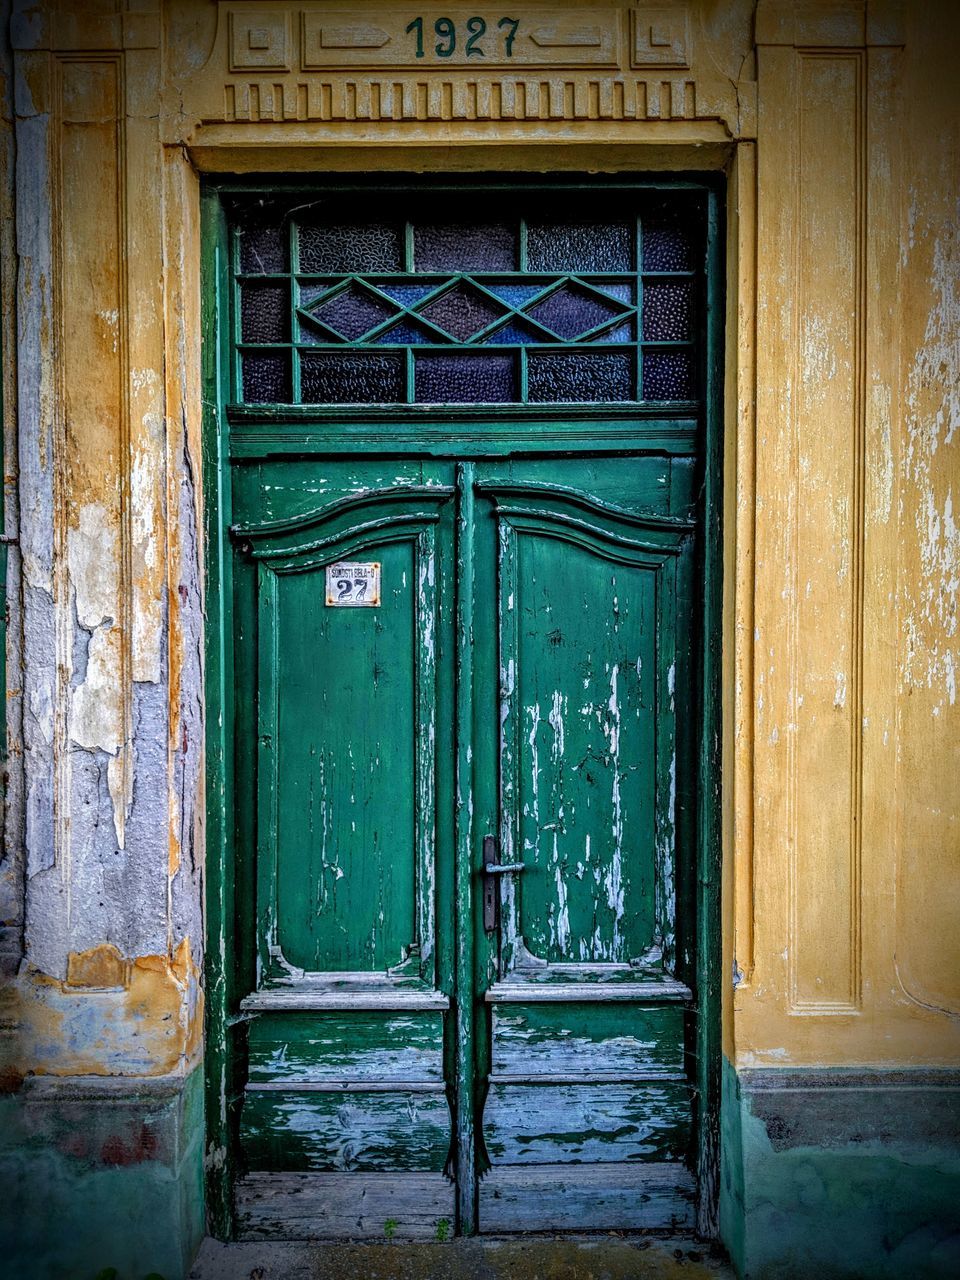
[{"x": 587, "y": 1019}]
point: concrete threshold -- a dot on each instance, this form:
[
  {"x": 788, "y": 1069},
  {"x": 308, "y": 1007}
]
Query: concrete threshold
[{"x": 607, "y": 1257}]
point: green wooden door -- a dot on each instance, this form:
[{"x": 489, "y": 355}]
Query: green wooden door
[{"x": 460, "y": 984}]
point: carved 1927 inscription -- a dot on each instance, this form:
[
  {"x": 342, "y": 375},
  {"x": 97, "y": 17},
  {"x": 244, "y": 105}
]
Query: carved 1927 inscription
[{"x": 332, "y": 39}]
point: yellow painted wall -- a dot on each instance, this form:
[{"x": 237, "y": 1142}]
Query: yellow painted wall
[{"x": 837, "y": 126}]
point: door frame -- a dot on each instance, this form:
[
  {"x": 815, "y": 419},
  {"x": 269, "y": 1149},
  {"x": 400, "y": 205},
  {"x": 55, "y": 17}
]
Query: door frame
[{"x": 222, "y": 1066}]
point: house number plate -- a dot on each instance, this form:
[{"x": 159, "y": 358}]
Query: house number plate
[{"x": 353, "y": 585}]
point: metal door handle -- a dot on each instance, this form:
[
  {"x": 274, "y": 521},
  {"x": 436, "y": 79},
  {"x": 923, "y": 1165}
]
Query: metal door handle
[{"x": 492, "y": 868}]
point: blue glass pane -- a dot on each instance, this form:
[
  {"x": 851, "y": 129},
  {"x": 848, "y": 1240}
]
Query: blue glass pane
[
  {"x": 405, "y": 333},
  {"x": 515, "y": 294},
  {"x": 622, "y": 292},
  {"x": 668, "y": 375},
  {"x": 311, "y": 292},
  {"x": 361, "y": 246},
  {"x": 266, "y": 377},
  {"x": 580, "y": 245},
  {"x": 406, "y": 294},
  {"x": 515, "y": 331},
  {"x": 465, "y": 379},
  {"x": 263, "y": 248},
  {"x": 349, "y": 378},
  {"x": 570, "y": 311},
  {"x": 667, "y": 310},
  {"x": 265, "y": 313},
  {"x": 667, "y": 246},
  {"x": 619, "y": 333},
  {"x": 354, "y": 312},
  {"x": 463, "y": 246},
  {"x": 462, "y": 311},
  {"x": 580, "y": 377}
]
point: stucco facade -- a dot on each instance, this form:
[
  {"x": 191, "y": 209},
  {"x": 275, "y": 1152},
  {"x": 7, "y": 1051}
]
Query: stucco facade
[{"x": 835, "y": 126}]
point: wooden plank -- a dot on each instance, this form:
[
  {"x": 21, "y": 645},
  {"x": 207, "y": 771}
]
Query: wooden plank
[
  {"x": 294, "y": 1048},
  {"x": 540, "y": 1124},
  {"x": 337, "y": 1206},
  {"x": 307, "y": 998},
  {"x": 587, "y": 1197},
  {"x": 651, "y": 992},
  {"x": 297, "y": 1129},
  {"x": 581, "y": 1040}
]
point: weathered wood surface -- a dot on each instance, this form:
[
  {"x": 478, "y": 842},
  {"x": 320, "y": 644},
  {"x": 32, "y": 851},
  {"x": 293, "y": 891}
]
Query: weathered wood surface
[
  {"x": 580, "y": 1040},
  {"x": 544, "y": 989},
  {"x": 547, "y": 1124},
  {"x": 318, "y": 1130},
  {"x": 336, "y": 1206},
  {"x": 307, "y": 997},
  {"x": 587, "y": 1197},
  {"x": 363, "y": 1046}
]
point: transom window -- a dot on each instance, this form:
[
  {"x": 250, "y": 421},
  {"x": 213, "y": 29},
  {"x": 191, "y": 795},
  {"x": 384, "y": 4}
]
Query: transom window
[{"x": 572, "y": 301}]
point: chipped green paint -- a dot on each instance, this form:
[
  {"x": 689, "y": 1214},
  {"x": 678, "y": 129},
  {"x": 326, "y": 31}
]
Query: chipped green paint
[{"x": 534, "y": 672}]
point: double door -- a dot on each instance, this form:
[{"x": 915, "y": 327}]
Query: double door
[{"x": 466, "y": 718}]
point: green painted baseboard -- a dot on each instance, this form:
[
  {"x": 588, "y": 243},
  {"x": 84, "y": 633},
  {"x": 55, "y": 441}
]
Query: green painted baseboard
[
  {"x": 100, "y": 1174},
  {"x": 841, "y": 1173}
]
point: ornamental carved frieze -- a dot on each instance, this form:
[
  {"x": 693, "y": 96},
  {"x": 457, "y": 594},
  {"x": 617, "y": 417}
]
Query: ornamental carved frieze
[{"x": 312, "y": 63}]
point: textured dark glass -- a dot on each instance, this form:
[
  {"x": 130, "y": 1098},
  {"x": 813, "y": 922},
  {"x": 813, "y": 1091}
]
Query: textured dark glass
[
  {"x": 465, "y": 379},
  {"x": 619, "y": 333},
  {"x": 667, "y": 310},
  {"x": 667, "y": 246},
  {"x": 361, "y": 246},
  {"x": 580, "y": 246},
  {"x": 309, "y": 293},
  {"x": 462, "y": 311},
  {"x": 263, "y": 248},
  {"x": 517, "y": 332},
  {"x": 622, "y": 292},
  {"x": 266, "y": 378},
  {"x": 264, "y": 313},
  {"x": 570, "y": 311},
  {"x": 463, "y": 246},
  {"x": 668, "y": 375},
  {"x": 407, "y": 294},
  {"x": 580, "y": 377},
  {"x": 354, "y": 312},
  {"x": 515, "y": 295},
  {"x": 407, "y": 333},
  {"x": 349, "y": 378}
]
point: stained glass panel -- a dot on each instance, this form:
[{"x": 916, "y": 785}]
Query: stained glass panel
[
  {"x": 358, "y": 246},
  {"x": 265, "y": 313},
  {"x": 351, "y": 378},
  {"x": 465, "y": 379},
  {"x": 581, "y": 376},
  {"x": 580, "y": 246},
  {"x": 463, "y": 246},
  {"x": 266, "y": 378},
  {"x": 449, "y": 308},
  {"x": 668, "y": 375}
]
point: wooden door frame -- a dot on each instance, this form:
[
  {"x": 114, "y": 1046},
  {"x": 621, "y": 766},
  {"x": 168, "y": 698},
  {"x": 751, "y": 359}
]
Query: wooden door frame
[{"x": 221, "y": 1066}]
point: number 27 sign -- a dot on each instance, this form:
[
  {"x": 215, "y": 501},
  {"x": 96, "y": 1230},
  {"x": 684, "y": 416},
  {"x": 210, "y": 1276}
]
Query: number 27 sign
[{"x": 353, "y": 585}]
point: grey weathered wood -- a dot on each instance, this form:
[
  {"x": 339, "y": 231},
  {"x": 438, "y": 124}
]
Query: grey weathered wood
[
  {"x": 297, "y": 1129},
  {"x": 650, "y": 990},
  {"x": 337, "y": 1206},
  {"x": 587, "y": 1040},
  {"x": 547, "y": 1124},
  {"x": 290, "y": 1047},
  {"x": 307, "y": 998},
  {"x": 587, "y": 1197}
]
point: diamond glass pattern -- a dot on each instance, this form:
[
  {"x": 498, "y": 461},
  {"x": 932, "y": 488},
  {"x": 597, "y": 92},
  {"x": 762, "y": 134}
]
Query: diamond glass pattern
[
  {"x": 462, "y": 311},
  {"x": 571, "y": 312},
  {"x": 556, "y": 305},
  {"x": 354, "y": 312}
]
